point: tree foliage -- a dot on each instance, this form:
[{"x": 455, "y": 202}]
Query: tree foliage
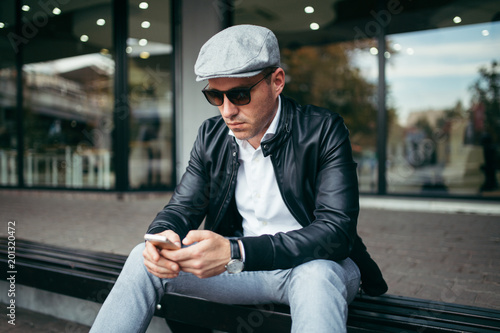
[
  {"x": 326, "y": 76},
  {"x": 486, "y": 94}
]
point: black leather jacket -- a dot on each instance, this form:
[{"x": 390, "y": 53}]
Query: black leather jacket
[{"x": 316, "y": 175}]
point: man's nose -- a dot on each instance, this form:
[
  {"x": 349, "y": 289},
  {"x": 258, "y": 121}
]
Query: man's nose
[{"x": 228, "y": 109}]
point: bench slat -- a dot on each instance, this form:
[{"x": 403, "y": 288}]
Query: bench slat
[{"x": 442, "y": 315}]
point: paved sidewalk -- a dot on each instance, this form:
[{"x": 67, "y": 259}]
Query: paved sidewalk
[
  {"x": 444, "y": 254},
  {"x": 30, "y": 321},
  {"x": 446, "y": 257}
]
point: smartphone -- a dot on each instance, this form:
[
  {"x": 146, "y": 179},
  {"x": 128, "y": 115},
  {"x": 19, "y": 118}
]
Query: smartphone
[{"x": 161, "y": 242}]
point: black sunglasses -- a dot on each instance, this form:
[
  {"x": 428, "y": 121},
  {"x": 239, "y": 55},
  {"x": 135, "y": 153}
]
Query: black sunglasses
[{"x": 237, "y": 96}]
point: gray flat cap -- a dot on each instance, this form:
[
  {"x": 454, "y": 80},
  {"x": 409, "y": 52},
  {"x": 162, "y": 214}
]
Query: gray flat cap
[{"x": 238, "y": 51}]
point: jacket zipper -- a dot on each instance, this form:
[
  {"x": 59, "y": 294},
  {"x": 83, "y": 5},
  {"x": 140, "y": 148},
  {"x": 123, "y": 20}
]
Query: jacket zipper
[{"x": 216, "y": 221}]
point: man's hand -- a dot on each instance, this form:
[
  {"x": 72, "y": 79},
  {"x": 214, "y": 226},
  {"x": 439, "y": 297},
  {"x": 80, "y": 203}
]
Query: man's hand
[
  {"x": 157, "y": 264},
  {"x": 208, "y": 257}
]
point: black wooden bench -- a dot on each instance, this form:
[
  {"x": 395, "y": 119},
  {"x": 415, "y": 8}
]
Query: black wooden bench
[{"x": 90, "y": 275}]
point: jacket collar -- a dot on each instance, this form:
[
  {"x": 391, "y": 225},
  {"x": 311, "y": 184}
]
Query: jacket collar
[{"x": 283, "y": 130}]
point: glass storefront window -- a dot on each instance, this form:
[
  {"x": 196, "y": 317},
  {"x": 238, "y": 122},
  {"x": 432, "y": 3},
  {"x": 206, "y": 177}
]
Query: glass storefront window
[
  {"x": 327, "y": 67},
  {"x": 444, "y": 85},
  {"x": 441, "y": 103},
  {"x": 8, "y": 76},
  {"x": 68, "y": 95},
  {"x": 342, "y": 78},
  {"x": 149, "y": 48}
]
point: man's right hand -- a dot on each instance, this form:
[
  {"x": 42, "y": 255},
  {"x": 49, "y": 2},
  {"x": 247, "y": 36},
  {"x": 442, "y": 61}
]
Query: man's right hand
[{"x": 157, "y": 264}]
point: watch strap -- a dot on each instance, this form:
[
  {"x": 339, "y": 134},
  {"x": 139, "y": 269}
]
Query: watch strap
[{"x": 235, "y": 249}]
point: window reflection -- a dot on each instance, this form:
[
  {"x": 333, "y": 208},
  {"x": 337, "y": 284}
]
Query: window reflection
[
  {"x": 68, "y": 97},
  {"x": 444, "y": 87},
  {"x": 8, "y": 140},
  {"x": 151, "y": 128},
  {"x": 8, "y": 115},
  {"x": 340, "y": 77},
  {"x": 69, "y": 122}
]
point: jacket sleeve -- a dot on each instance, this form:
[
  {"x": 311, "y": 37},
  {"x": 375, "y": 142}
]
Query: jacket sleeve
[
  {"x": 332, "y": 231},
  {"x": 189, "y": 203}
]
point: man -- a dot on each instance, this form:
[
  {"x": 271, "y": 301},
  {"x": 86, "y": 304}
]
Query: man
[{"x": 276, "y": 186}]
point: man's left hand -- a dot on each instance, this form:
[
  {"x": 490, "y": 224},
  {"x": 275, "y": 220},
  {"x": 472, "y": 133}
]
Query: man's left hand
[{"x": 206, "y": 256}]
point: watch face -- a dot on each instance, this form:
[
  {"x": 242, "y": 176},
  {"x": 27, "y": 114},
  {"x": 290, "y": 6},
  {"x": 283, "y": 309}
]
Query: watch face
[{"x": 234, "y": 266}]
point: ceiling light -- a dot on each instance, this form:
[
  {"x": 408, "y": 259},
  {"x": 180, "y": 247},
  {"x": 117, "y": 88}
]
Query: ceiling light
[
  {"x": 84, "y": 38},
  {"x": 56, "y": 11},
  {"x": 144, "y": 55},
  {"x": 484, "y": 33},
  {"x": 410, "y": 51},
  {"x": 143, "y": 5},
  {"x": 309, "y": 9},
  {"x": 387, "y": 54},
  {"x": 143, "y": 42},
  {"x": 457, "y": 19},
  {"x": 129, "y": 49},
  {"x": 2, "y": 25},
  {"x": 101, "y": 22},
  {"x": 314, "y": 26},
  {"x": 25, "y": 8},
  {"x": 374, "y": 50},
  {"x": 397, "y": 47},
  {"x": 145, "y": 24}
]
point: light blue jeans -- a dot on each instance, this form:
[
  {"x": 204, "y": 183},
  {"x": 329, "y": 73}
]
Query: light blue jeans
[{"x": 318, "y": 293}]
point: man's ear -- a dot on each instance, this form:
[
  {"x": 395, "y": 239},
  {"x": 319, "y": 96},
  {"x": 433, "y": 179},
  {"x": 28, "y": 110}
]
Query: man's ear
[{"x": 279, "y": 80}]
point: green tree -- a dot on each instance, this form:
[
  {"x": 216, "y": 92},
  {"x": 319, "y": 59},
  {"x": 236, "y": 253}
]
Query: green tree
[
  {"x": 486, "y": 92},
  {"x": 327, "y": 76},
  {"x": 324, "y": 76},
  {"x": 486, "y": 97}
]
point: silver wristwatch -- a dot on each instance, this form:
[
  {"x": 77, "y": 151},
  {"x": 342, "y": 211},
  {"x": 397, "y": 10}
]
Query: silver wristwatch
[{"x": 235, "y": 265}]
